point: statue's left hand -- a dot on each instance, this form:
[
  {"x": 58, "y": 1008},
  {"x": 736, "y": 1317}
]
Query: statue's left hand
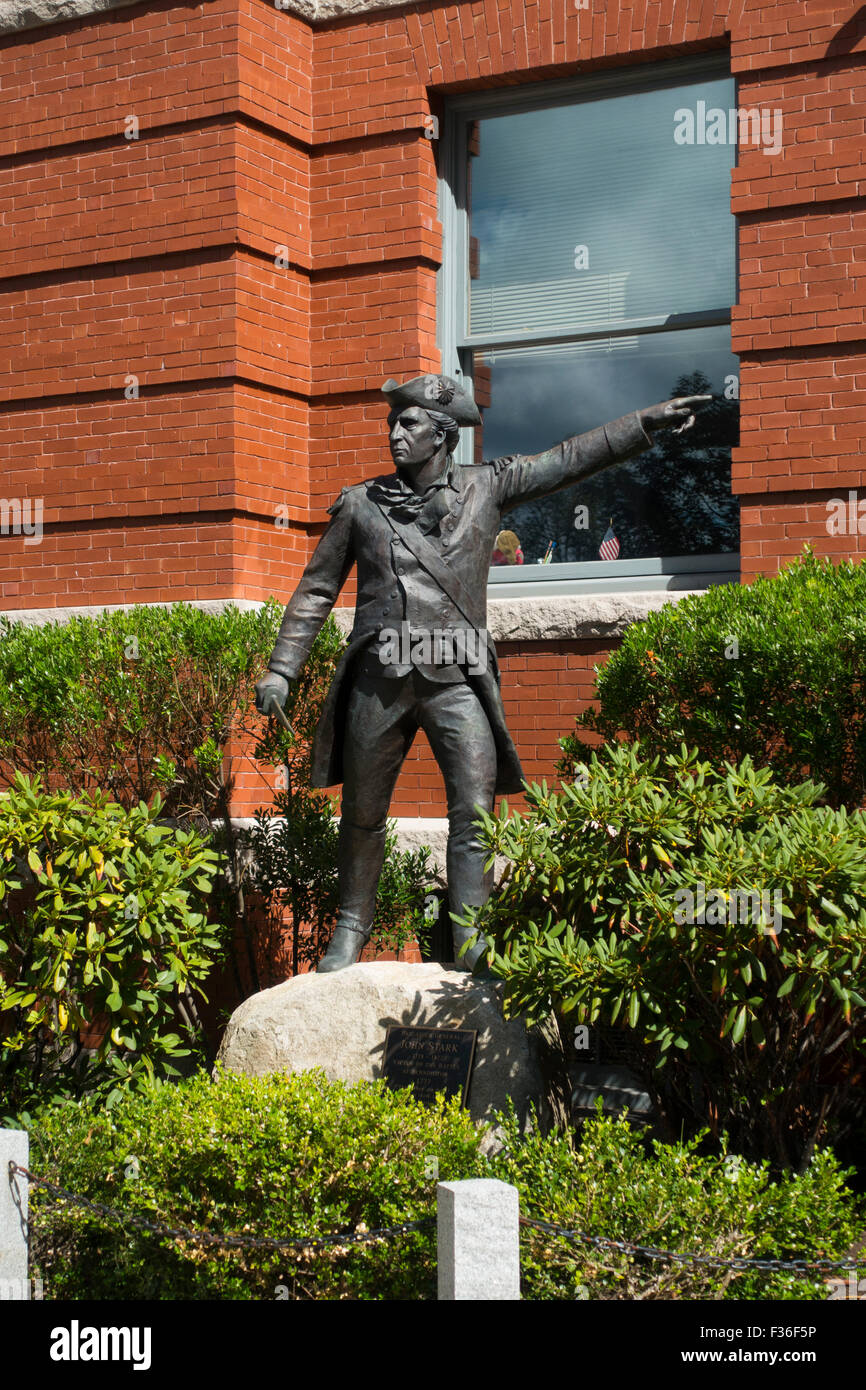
[{"x": 678, "y": 414}]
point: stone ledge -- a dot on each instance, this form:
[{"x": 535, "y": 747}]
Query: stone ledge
[
  {"x": 412, "y": 833},
  {"x": 38, "y": 617},
  {"x": 570, "y": 617},
  {"x": 563, "y": 617},
  {"x": 34, "y": 14}
]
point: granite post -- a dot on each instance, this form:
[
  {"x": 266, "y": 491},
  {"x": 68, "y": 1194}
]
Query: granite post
[
  {"x": 14, "y": 1190},
  {"x": 478, "y": 1240}
]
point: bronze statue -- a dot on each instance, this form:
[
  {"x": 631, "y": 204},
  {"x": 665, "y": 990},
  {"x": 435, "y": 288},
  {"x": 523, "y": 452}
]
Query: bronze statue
[{"x": 419, "y": 655}]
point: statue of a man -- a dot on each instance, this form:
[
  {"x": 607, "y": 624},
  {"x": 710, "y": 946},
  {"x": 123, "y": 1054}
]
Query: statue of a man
[{"x": 419, "y": 655}]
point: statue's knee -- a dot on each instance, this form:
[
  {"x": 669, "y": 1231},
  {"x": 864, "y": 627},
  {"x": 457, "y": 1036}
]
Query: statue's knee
[
  {"x": 354, "y": 822},
  {"x": 463, "y": 835}
]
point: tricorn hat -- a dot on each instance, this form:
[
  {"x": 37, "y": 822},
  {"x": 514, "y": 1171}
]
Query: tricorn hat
[{"x": 434, "y": 392}]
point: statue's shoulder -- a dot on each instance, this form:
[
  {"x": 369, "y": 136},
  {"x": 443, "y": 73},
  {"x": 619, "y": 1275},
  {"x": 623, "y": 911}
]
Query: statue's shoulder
[
  {"x": 347, "y": 498},
  {"x": 495, "y": 466}
]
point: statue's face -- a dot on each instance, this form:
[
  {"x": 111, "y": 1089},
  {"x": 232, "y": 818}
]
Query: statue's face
[{"x": 414, "y": 438}]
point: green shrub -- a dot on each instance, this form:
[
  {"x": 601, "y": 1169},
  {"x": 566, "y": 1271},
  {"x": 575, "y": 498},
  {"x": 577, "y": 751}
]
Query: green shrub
[
  {"x": 146, "y": 703},
  {"x": 285, "y": 1156},
  {"x": 135, "y": 702},
  {"x": 670, "y": 1197},
  {"x": 774, "y": 670},
  {"x": 295, "y": 1157},
  {"x": 716, "y": 917},
  {"x": 103, "y": 930},
  {"x": 142, "y": 704}
]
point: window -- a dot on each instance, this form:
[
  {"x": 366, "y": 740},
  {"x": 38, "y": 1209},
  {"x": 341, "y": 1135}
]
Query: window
[{"x": 589, "y": 270}]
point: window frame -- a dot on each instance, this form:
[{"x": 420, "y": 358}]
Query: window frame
[{"x": 457, "y": 347}]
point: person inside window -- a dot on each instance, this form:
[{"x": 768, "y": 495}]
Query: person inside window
[{"x": 507, "y": 550}]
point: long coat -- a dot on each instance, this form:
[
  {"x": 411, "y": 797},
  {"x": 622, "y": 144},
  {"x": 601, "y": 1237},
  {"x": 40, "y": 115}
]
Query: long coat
[{"x": 425, "y": 560}]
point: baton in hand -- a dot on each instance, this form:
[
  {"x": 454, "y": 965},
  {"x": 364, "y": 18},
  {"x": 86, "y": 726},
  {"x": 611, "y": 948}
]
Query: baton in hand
[
  {"x": 278, "y": 714},
  {"x": 271, "y": 706}
]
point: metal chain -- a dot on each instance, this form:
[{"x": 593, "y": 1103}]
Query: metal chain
[
  {"x": 625, "y": 1247},
  {"x": 652, "y": 1252},
  {"x": 212, "y": 1238}
]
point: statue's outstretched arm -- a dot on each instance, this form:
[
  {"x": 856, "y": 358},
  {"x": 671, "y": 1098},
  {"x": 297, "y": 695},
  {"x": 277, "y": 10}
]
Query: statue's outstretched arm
[{"x": 525, "y": 478}]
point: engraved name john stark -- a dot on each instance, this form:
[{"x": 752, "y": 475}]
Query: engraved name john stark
[
  {"x": 430, "y": 1060},
  {"x": 422, "y": 538}
]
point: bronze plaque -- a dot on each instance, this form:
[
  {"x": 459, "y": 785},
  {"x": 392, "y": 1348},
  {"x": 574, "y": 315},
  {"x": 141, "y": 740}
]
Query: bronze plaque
[{"x": 430, "y": 1060}]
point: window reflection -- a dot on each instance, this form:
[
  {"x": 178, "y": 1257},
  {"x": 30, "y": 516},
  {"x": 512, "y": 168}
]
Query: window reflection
[
  {"x": 674, "y": 499},
  {"x": 652, "y": 217},
  {"x": 589, "y": 223}
]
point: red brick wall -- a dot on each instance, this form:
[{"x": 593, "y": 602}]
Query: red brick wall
[
  {"x": 258, "y": 382},
  {"x": 154, "y": 258},
  {"x": 799, "y": 323}
]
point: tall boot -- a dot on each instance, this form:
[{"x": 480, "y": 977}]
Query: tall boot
[
  {"x": 471, "y": 958},
  {"x": 360, "y": 854},
  {"x": 347, "y": 943},
  {"x": 469, "y": 884}
]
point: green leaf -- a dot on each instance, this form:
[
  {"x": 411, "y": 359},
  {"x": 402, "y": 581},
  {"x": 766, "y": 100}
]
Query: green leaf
[{"x": 831, "y": 907}]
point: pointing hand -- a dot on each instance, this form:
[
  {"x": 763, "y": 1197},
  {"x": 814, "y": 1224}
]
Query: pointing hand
[{"x": 678, "y": 414}]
